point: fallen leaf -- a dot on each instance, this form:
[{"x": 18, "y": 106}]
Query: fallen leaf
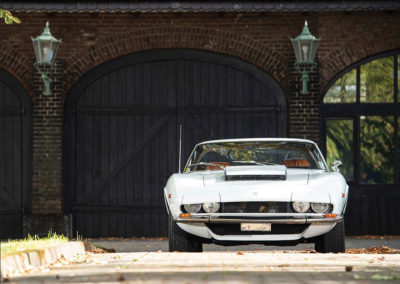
[
  {"x": 349, "y": 268},
  {"x": 358, "y": 277},
  {"x": 159, "y": 251},
  {"x": 383, "y": 277},
  {"x": 381, "y": 258},
  {"x": 283, "y": 265},
  {"x": 120, "y": 277},
  {"x": 239, "y": 253}
]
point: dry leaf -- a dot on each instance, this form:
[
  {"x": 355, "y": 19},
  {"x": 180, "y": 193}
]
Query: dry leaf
[
  {"x": 373, "y": 250},
  {"x": 239, "y": 253},
  {"x": 349, "y": 268}
]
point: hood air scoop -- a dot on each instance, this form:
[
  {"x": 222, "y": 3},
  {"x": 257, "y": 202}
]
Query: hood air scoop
[{"x": 259, "y": 172}]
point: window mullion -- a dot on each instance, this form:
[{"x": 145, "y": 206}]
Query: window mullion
[
  {"x": 357, "y": 149},
  {"x": 396, "y": 150},
  {"x": 396, "y": 87},
  {"x": 358, "y": 85}
]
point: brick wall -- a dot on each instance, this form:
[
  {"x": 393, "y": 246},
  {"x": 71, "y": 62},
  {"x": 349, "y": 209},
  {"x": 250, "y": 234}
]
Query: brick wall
[
  {"x": 303, "y": 109},
  {"x": 47, "y": 115},
  {"x": 258, "y": 38}
]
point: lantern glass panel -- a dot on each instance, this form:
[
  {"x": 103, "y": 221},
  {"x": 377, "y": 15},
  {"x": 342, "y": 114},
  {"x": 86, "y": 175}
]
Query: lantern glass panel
[
  {"x": 297, "y": 50},
  {"x": 313, "y": 53},
  {"x": 47, "y": 52},
  {"x": 37, "y": 49},
  {"x": 305, "y": 51}
]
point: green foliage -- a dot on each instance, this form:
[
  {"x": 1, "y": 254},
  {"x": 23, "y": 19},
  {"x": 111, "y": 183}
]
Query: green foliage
[
  {"x": 377, "y": 149},
  {"x": 376, "y": 81},
  {"x": 8, "y": 17},
  {"x": 376, "y": 132},
  {"x": 343, "y": 90},
  {"x": 339, "y": 145}
]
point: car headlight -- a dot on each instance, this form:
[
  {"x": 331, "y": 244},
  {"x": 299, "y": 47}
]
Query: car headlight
[
  {"x": 320, "y": 207},
  {"x": 301, "y": 207},
  {"x": 192, "y": 208},
  {"x": 211, "y": 207}
]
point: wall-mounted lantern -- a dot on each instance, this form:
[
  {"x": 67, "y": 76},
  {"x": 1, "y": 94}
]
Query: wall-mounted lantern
[
  {"x": 305, "y": 48},
  {"x": 46, "y": 47}
]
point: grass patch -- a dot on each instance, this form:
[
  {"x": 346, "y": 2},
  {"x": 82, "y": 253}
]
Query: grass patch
[{"x": 31, "y": 243}]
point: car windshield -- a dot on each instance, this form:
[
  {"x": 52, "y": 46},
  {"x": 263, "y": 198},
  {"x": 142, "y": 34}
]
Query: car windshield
[{"x": 217, "y": 156}]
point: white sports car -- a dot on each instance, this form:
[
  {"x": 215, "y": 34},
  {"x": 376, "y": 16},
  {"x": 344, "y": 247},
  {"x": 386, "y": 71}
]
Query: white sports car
[{"x": 269, "y": 191}]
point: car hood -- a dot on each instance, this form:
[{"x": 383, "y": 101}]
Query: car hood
[{"x": 212, "y": 186}]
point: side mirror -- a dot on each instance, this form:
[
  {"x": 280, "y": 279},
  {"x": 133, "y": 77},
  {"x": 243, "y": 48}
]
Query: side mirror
[{"x": 337, "y": 165}]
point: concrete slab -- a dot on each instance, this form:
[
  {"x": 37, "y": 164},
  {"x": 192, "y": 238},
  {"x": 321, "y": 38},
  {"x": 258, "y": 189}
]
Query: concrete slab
[{"x": 224, "y": 267}]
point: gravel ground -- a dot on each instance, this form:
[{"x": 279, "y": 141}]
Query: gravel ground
[{"x": 129, "y": 245}]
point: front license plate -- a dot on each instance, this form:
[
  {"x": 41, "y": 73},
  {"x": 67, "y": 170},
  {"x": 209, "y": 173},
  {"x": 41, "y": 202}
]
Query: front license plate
[{"x": 255, "y": 227}]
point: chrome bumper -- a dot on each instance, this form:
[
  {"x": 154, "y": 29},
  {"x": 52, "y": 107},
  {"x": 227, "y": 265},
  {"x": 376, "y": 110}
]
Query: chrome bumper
[{"x": 212, "y": 219}]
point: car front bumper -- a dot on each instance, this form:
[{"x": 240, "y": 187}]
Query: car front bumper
[
  {"x": 198, "y": 224},
  {"x": 305, "y": 220}
]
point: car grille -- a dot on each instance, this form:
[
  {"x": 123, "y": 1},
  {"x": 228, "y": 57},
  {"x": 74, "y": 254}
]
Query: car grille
[
  {"x": 256, "y": 207},
  {"x": 276, "y": 229}
]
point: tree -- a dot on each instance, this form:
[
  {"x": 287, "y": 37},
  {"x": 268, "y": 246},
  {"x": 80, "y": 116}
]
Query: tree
[{"x": 8, "y": 17}]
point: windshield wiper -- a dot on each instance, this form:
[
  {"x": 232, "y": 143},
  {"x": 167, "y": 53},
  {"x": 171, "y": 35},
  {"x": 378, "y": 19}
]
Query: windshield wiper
[
  {"x": 255, "y": 163},
  {"x": 207, "y": 164}
]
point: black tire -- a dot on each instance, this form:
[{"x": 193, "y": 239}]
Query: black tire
[
  {"x": 333, "y": 241},
  {"x": 179, "y": 240}
]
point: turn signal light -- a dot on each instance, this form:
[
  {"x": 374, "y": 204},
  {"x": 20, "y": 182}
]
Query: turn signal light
[
  {"x": 184, "y": 215},
  {"x": 330, "y": 215}
]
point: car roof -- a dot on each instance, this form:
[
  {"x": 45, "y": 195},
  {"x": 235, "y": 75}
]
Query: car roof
[{"x": 258, "y": 139}]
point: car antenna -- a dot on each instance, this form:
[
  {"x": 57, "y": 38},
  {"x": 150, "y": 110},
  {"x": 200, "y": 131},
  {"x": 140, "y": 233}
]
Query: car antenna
[{"x": 180, "y": 147}]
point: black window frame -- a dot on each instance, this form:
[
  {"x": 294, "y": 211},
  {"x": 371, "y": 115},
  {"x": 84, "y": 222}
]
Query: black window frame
[{"x": 356, "y": 110}]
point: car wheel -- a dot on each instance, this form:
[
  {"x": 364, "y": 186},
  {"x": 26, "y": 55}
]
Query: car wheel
[
  {"x": 179, "y": 240},
  {"x": 333, "y": 241}
]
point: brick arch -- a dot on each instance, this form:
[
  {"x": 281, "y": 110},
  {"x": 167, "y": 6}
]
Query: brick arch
[
  {"x": 213, "y": 40},
  {"x": 18, "y": 66},
  {"x": 352, "y": 51}
]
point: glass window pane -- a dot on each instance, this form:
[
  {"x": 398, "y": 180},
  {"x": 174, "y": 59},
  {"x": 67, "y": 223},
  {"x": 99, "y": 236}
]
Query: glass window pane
[
  {"x": 339, "y": 145},
  {"x": 376, "y": 81},
  {"x": 343, "y": 90},
  {"x": 377, "y": 147}
]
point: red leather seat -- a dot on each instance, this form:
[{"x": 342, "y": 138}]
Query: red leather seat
[
  {"x": 296, "y": 163},
  {"x": 214, "y": 168}
]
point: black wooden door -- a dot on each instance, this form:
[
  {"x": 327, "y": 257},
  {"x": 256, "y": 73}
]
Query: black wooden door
[
  {"x": 14, "y": 156},
  {"x": 121, "y": 131}
]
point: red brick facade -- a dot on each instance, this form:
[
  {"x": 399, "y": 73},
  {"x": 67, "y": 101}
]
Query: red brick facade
[{"x": 262, "y": 39}]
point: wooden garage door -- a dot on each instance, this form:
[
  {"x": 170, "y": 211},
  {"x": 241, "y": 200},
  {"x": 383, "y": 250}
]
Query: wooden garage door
[
  {"x": 14, "y": 155},
  {"x": 121, "y": 131}
]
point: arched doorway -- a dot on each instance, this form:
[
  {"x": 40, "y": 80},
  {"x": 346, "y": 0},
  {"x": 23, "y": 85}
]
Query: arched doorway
[
  {"x": 15, "y": 155},
  {"x": 121, "y": 131},
  {"x": 360, "y": 114}
]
